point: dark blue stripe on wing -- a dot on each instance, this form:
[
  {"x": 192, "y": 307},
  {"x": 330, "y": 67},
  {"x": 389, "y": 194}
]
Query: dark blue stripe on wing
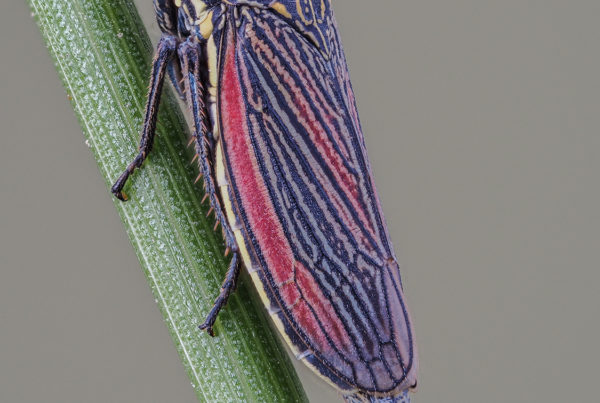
[{"x": 321, "y": 222}]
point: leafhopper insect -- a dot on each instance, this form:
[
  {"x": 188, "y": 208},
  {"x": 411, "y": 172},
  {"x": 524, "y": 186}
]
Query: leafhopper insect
[{"x": 282, "y": 155}]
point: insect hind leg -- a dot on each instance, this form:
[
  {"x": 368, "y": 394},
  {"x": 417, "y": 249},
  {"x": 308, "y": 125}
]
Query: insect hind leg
[
  {"x": 189, "y": 57},
  {"x": 164, "y": 53}
]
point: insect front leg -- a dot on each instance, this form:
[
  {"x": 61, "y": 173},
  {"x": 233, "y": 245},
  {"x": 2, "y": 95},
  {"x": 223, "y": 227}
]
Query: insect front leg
[
  {"x": 164, "y": 53},
  {"x": 189, "y": 57}
]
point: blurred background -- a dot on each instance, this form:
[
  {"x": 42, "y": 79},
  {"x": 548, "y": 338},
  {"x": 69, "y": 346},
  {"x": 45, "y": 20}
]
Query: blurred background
[{"x": 482, "y": 122}]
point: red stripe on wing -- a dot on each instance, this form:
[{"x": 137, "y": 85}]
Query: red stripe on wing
[
  {"x": 291, "y": 278},
  {"x": 261, "y": 215},
  {"x": 314, "y": 297}
]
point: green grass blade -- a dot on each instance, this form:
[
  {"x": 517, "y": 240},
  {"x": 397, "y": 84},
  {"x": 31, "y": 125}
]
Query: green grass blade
[{"x": 103, "y": 54}]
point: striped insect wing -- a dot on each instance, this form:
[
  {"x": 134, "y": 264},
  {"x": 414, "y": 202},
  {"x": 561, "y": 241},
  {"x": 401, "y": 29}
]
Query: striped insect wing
[{"x": 301, "y": 195}]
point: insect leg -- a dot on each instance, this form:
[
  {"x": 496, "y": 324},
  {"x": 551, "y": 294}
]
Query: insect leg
[
  {"x": 195, "y": 92},
  {"x": 164, "y": 52},
  {"x": 174, "y": 72}
]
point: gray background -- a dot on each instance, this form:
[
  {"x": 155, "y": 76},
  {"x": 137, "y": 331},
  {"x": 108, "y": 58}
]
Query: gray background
[{"x": 482, "y": 121}]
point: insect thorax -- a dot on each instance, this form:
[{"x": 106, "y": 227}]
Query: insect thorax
[
  {"x": 182, "y": 17},
  {"x": 185, "y": 18}
]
